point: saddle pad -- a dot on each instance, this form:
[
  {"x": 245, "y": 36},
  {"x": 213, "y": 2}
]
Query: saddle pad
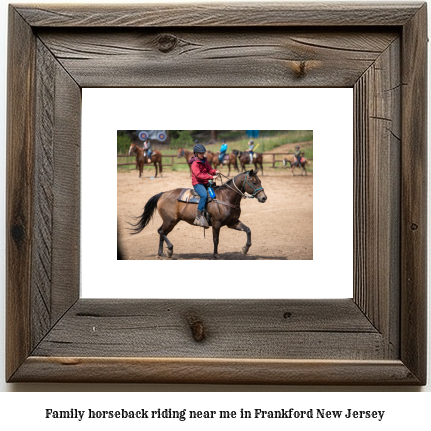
[{"x": 190, "y": 196}]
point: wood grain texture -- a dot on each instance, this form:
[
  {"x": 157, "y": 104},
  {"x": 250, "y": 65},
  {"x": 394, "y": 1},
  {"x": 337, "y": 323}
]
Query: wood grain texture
[
  {"x": 227, "y": 57},
  {"x": 378, "y": 337},
  {"x": 55, "y": 278},
  {"x": 43, "y": 194},
  {"x": 19, "y": 195},
  {"x": 234, "y": 329},
  {"x": 414, "y": 229},
  {"x": 220, "y": 15},
  {"x": 67, "y": 199},
  {"x": 215, "y": 371},
  {"x": 377, "y": 192}
]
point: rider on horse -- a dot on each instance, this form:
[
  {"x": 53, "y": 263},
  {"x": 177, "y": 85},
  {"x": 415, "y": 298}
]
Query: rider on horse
[
  {"x": 202, "y": 172},
  {"x": 250, "y": 150},
  {"x": 222, "y": 151},
  {"x": 147, "y": 148},
  {"x": 297, "y": 155}
]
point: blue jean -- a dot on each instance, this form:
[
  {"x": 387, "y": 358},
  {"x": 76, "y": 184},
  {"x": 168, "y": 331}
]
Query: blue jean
[{"x": 202, "y": 192}]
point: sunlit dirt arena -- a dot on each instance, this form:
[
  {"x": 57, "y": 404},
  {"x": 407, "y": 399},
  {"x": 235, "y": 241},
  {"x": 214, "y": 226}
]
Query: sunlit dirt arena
[{"x": 281, "y": 228}]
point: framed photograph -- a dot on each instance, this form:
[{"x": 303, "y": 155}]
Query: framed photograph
[{"x": 376, "y": 337}]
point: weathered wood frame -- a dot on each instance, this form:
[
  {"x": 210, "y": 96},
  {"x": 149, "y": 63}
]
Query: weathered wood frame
[{"x": 378, "y": 337}]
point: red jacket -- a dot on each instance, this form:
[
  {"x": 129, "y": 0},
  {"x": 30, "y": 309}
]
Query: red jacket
[{"x": 201, "y": 171}]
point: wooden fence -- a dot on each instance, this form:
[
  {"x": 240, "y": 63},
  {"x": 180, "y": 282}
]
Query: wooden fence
[{"x": 182, "y": 162}]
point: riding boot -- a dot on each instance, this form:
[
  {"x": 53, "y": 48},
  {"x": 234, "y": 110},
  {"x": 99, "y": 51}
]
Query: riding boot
[
  {"x": 207, "y": 217},
  {"x": 201, "y": 220}
]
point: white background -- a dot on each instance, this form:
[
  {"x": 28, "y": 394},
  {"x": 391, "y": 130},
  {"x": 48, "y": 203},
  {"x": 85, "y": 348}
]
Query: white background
[
  {"x": 328, "y": 112},
  {"x": 404, "y": 408}
]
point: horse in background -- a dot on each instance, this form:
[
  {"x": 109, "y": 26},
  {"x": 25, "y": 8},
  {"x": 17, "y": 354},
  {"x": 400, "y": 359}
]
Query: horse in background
[
  {"x": 189, "y": 154},
  {"x": 142, "y": 159},
  {"x": 182, "y": 152},
  {"x": 244, "y": 159},
  {"x": 228, "y": 160},
  {"x": 293, "y": 162}
]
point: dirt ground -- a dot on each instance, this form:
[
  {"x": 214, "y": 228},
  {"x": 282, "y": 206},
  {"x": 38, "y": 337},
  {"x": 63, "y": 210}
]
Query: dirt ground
[{"x": 281, "y": 228}]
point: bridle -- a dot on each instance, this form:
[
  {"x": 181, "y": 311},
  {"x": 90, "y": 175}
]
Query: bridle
[
  {"x": 256, "y": 191},
  {"x": 132, "y": 150}
]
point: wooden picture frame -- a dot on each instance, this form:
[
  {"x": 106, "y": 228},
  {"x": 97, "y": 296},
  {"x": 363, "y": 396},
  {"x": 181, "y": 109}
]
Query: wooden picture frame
[{"x": 376, "y": 338}]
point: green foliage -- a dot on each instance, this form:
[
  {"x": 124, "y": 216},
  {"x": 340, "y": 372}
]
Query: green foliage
[
  {"x": 181, "y": 138},
  {"x": 236, "y": 140},
  {"x": 308, "y": 152},
  {"x": 123, "y": 143},
  {"x": 268, "y": 140}
]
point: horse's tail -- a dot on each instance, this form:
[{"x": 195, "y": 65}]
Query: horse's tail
[{"x": 147, "y": 215}]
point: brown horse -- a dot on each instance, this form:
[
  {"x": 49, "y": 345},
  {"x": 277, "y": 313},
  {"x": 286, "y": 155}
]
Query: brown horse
[
  {"x": 224, "y": 210},
  {"x": 244, "y": 159},
  {"x": 293, "y": 164},
  {"x": 229, "y": 160},
  {"x": 142, "y": 158},
  {"x": 187, "y": 154}
]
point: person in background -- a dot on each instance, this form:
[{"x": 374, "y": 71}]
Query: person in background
[
  {"x": 147, "y": 148},
  {"x": 222, "y": 151},
  {"x": 250, "y": 150},
  {"x": 297, "y": 155},
  {"x": 202, "y": 172}
]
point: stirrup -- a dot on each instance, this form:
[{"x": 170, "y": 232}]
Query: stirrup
[{"x": 201, "y": 221}]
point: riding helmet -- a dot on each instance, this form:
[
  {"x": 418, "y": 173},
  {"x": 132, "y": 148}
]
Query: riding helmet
[{"x": 199, "y": 148}]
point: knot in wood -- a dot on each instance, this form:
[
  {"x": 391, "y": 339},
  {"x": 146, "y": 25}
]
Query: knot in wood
[
  {"x": 167, "y": 42},
  {"x": 197, "y": 328},
  {"x": 300, "y": 69},
  {"x": 18, "y": 233},
  {"x": 414, "y": 226}
]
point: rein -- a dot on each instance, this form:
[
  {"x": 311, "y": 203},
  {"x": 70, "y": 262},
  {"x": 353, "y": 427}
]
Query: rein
[{"x": 237, "y": 190}]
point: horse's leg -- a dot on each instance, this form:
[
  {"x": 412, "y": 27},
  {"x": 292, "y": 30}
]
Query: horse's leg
[
  {"x": 155, "y": 165},
  {"x": 242, "y": 227},
  {"x": 216, "y": 235},
  {"x": 163, "y": 231},
  {"x": 160, "y": 168}
]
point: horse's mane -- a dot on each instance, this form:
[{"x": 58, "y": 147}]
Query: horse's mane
[{"x": 224, "y": 185}]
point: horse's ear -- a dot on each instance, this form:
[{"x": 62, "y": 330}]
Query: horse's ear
[
  {"x": 251, "y": 173},
  {"x": 256, "y": 171}
]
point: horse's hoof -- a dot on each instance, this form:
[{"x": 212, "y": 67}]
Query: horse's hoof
[
  {"x": 244, "y": 250},
  {"x": 169, "y": 253}
]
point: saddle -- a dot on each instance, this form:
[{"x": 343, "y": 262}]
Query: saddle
[
  {"x": 190, "y": 196},
  {"x": 224, "y": 159}
]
